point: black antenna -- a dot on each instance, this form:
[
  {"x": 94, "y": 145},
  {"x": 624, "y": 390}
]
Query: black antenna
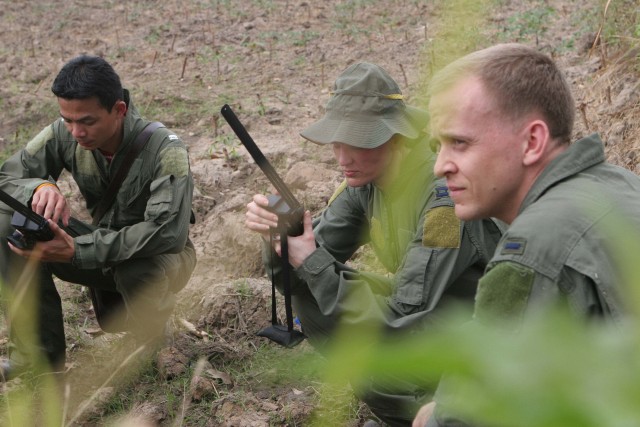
[
  {"x": 258, "y": 157},
  {"x": 19, "y": 207},
  {"x": 290, "y": 213}
]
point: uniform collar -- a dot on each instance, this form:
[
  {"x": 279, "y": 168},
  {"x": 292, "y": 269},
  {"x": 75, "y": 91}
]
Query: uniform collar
[
  {"x": 580, "y": 155},
  {"x": 133, "y": 123}
]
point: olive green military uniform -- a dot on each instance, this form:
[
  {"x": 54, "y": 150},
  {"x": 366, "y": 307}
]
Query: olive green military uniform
[
  {"x": 559, "y": 248},
  {"x": 140, "y": 248},
  {"x": 434, "y": 258}
]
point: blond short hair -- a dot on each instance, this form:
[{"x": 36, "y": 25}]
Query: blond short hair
[{"x": 521, "y": 80}]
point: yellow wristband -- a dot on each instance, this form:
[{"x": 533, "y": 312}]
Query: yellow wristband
[{"x": 45, "y": 184}]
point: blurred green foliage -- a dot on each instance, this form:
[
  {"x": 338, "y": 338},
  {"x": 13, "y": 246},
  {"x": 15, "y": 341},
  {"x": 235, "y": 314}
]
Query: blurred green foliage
[{"x": 557, "y": 370}]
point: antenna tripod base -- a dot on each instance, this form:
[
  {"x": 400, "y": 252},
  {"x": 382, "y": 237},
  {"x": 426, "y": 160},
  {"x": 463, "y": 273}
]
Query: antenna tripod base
[{"x": 280, "y": 334}]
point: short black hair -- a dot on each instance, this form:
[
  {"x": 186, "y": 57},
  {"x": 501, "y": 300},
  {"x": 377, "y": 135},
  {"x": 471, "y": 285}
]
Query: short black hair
[{"x": 86, "y": 77}]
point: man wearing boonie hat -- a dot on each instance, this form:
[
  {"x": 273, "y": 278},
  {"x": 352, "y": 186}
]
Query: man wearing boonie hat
[{"x": 391, "y": 200}]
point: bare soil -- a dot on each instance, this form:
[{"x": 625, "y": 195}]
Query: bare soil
[{"x": 273, "y": 61}]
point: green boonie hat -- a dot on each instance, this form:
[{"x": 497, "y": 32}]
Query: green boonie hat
[{"x": 365, "y": 110}]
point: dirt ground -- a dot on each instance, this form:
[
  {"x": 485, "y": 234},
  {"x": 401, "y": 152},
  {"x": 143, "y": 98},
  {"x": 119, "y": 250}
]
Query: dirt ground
[{"x": 273, "y": 62}]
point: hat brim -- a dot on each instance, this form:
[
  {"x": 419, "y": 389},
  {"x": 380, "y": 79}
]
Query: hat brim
[{"x": 367, "y": 131}]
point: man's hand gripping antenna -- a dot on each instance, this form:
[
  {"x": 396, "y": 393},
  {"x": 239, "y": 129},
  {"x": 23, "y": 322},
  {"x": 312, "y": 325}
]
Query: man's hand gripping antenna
[{"x": 290, "y": 214}]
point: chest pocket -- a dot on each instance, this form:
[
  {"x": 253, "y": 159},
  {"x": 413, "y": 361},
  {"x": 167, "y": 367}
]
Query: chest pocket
[
  {"x": 132, "y": 196},
  {"x": 414, "y": 274},
  {"x": 132, "y": 186}
]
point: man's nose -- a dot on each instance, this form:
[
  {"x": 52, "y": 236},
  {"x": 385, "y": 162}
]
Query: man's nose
[
  {"x": 342, "y": 156},
  {"x": 444, "y": 164},
  {"x": 78, "y": 130}
]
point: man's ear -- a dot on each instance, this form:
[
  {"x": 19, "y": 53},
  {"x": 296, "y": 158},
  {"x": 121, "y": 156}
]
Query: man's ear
[
  {"x": 538, "y": 139},
  {"x": 121, "y": 108}
]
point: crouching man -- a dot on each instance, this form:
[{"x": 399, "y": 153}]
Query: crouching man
[{"x": 135, "y": 255}]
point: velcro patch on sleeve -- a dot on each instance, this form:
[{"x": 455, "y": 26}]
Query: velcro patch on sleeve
[
  {"x": 441, "y": 228},
  {"x": 85, "y": 162},
  {"x": 339, "y": 190},
  {"x": 39, "y": 141},
  {"x": 175, "y": 161},
  {"x": 503, "y": 292}
]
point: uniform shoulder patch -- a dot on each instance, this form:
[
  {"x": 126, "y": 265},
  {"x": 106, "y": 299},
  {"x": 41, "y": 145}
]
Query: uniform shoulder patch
[
  {"x": 441, "y": 228},
  {"x": 503, "y": 292},
  {"x": 39, "y": 140},
  {"x": 339, "y": 190},
  {"x": 174, "y": 161},
  {"x": 85, "y": 162}
]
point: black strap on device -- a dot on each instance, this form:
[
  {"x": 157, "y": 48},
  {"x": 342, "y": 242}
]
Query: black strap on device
[
  {"x": 290, "y": 213},
  {"x": 285, "y": 336}
]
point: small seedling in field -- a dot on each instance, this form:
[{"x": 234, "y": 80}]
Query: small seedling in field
[{"x": 227, "y": 144}]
